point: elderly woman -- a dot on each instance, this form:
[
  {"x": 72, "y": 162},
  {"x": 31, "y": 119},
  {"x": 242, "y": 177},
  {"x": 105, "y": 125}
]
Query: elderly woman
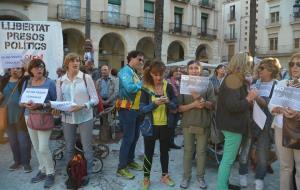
[
  {"x": 196, "y": 119},
  {"x": 78, "y": 88},
  {"x": 157, "y": 100},
  {"x": 268, "y": 71},
  {"x": 288, "y": 157},
  {"x": 19, "y": 140},
  {"x": 233, "y": 112},
  {"x": 39, "y": 134}
]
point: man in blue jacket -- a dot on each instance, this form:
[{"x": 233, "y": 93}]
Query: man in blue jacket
[{"x": 128, "y": 105}]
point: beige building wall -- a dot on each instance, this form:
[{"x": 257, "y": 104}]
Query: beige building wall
[{"x": 112, "y": 43}]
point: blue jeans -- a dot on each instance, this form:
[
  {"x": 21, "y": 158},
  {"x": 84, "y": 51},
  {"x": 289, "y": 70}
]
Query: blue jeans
[
  {"x": 20, "y": 144},
  {"x": 262, "y": 150},
  {"x": 86, "y": 137},
  {"x": 244, "y": 155},
  {"x": 131, "y": 132}
]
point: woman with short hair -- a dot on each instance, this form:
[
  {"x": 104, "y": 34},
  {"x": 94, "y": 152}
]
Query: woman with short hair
[
  {"x": 79, "y": 88},
  {"x": 40, "y": 138}
]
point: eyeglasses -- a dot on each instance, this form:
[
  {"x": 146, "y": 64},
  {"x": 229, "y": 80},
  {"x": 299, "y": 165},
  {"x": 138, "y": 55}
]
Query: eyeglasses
[{"x": 292, "y": 64}]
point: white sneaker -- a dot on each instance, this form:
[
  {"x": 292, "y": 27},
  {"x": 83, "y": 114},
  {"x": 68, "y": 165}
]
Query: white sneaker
[
  {"x": 259, "y": 184},
  {"x": 244, "y": 180}
]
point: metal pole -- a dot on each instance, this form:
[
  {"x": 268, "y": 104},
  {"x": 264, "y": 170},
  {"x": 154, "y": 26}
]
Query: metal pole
[
  {"x": 252, "y": 34},
  {"x": 88, "y": 20}
]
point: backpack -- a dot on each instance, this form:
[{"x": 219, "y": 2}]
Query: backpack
[{"x": 76, "y": 170}]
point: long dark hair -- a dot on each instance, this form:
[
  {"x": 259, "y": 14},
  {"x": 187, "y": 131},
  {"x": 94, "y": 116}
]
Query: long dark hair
[{"x": 155, "y": 67}]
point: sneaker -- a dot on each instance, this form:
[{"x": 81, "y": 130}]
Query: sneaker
[
  {"x": 167, "y": 180},
  {"x": 14, "y": 167},
  {"x": 40, "y": 176},
  {"x": 259, "y": 184},
  {"x": 135, "y": 166},
  {"x": 185, "y": 182},
  {"x": 125, "y": 173},
  {"x": 202, "y": 183},
  {"x": 49, "y": 182},
  {"x": 146, "y": 183},
  {"x": 244, "y": 180},
  {"x": 27, "y": 168}
]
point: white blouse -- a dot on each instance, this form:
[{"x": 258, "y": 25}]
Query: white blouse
[{"x": 80, "y": 93}]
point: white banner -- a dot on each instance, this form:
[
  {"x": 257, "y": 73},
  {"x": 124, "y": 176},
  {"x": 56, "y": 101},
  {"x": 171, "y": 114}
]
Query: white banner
[
  {"x": 286, "y": 97},
  {"x": 11, "y": 60},
  {"x": 190, "y": 84},
  {"x": 35, "y": 95},
  {"x": 31, "y": 39}
]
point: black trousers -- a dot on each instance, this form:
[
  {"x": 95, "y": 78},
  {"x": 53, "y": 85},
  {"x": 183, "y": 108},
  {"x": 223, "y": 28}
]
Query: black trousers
[{"x": 161, "y": 133}]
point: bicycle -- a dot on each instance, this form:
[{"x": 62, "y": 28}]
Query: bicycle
[
  {"x": 109, "y": 118},
  {"x": 101, "y": 151}
]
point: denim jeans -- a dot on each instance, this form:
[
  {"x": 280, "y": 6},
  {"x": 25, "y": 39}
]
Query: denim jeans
[
  {"x": 131, "y": 132},
  {"x": 20, "y": 144},
  {"x": 262, "y": 152},
  {"x": 244, "y": 154},
  {"x": 86, "y": 137}
]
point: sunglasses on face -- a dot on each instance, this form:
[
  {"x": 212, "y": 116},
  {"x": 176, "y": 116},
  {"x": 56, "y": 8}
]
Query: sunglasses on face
[{"x": 292, "y": 64}]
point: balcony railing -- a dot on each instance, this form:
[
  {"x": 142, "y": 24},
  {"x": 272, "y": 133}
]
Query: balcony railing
[
  {"x": 146, "y": 23},
  {"x": 270, "y": 23},
  {"x": 231, "y": 17},
  {"x": 230, "y": 37},
  {"x": 295, "y": 19},
  {"x": 182, "y": 1},
  {"x": 180, "y": 29},
  {"x": 207, "y": 4},
  {"x": 114, "y": 19},
  {"x": 207, "y": 33},
  {"x": 68, "y": 12},
  {"x": 279, "y": 50}
]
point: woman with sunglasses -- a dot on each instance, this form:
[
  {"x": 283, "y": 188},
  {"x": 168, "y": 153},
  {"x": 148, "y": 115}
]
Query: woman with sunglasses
[
  {"x": 288, "y": 157},
  {"x": 268, "y": 72},
  {"x": 19, "y": 140},
  {"x": 40, "y": 138}
]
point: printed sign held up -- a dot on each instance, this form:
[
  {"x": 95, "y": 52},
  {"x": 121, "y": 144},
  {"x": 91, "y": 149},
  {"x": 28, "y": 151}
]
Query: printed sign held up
[
  {"x": 35, "y": 95},
  {"x": 286, "y": 97},
  {"x": 190, "y": 84},
  {"x": 11, "y": 60}
]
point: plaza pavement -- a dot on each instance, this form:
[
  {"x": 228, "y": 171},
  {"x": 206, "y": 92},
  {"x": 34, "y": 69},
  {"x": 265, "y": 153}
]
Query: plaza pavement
[{"x": 107, "y": 179}]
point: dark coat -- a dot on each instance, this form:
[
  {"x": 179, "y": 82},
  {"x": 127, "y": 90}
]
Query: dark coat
[{"x": 232, "y": 108}]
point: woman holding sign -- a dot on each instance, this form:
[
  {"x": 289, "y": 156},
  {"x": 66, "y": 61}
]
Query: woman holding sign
[
  {"x": 39, "y": 118},
  {"x": 268, "y": 72},
  {"x": 78, "y": 88},
  {"x": 196, "y": 118},
  {"x": 232, "y": 116},
  {"x": 287, "y": 125},
  {"x": 19, "y": 140}
]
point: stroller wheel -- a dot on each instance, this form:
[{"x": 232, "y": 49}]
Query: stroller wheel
[{"x": 97, "y": 165}]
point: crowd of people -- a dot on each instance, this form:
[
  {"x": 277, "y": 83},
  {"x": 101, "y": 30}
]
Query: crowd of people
[{"x": 141, "y": 92}]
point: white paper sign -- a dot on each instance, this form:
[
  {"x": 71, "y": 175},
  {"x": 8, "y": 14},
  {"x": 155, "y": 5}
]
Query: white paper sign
[
  {"x": 265, "y": 90},
  {"x": 11, "y": 60},
  {"x": 259, "y": 116},
  {"x": 190, "y": 84},
  {"x": 286, "y": 97},
  {"x": 62, "y": 106},
  {"x": 32, "y": 39},
  {"x": 35, "y": 95}
]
